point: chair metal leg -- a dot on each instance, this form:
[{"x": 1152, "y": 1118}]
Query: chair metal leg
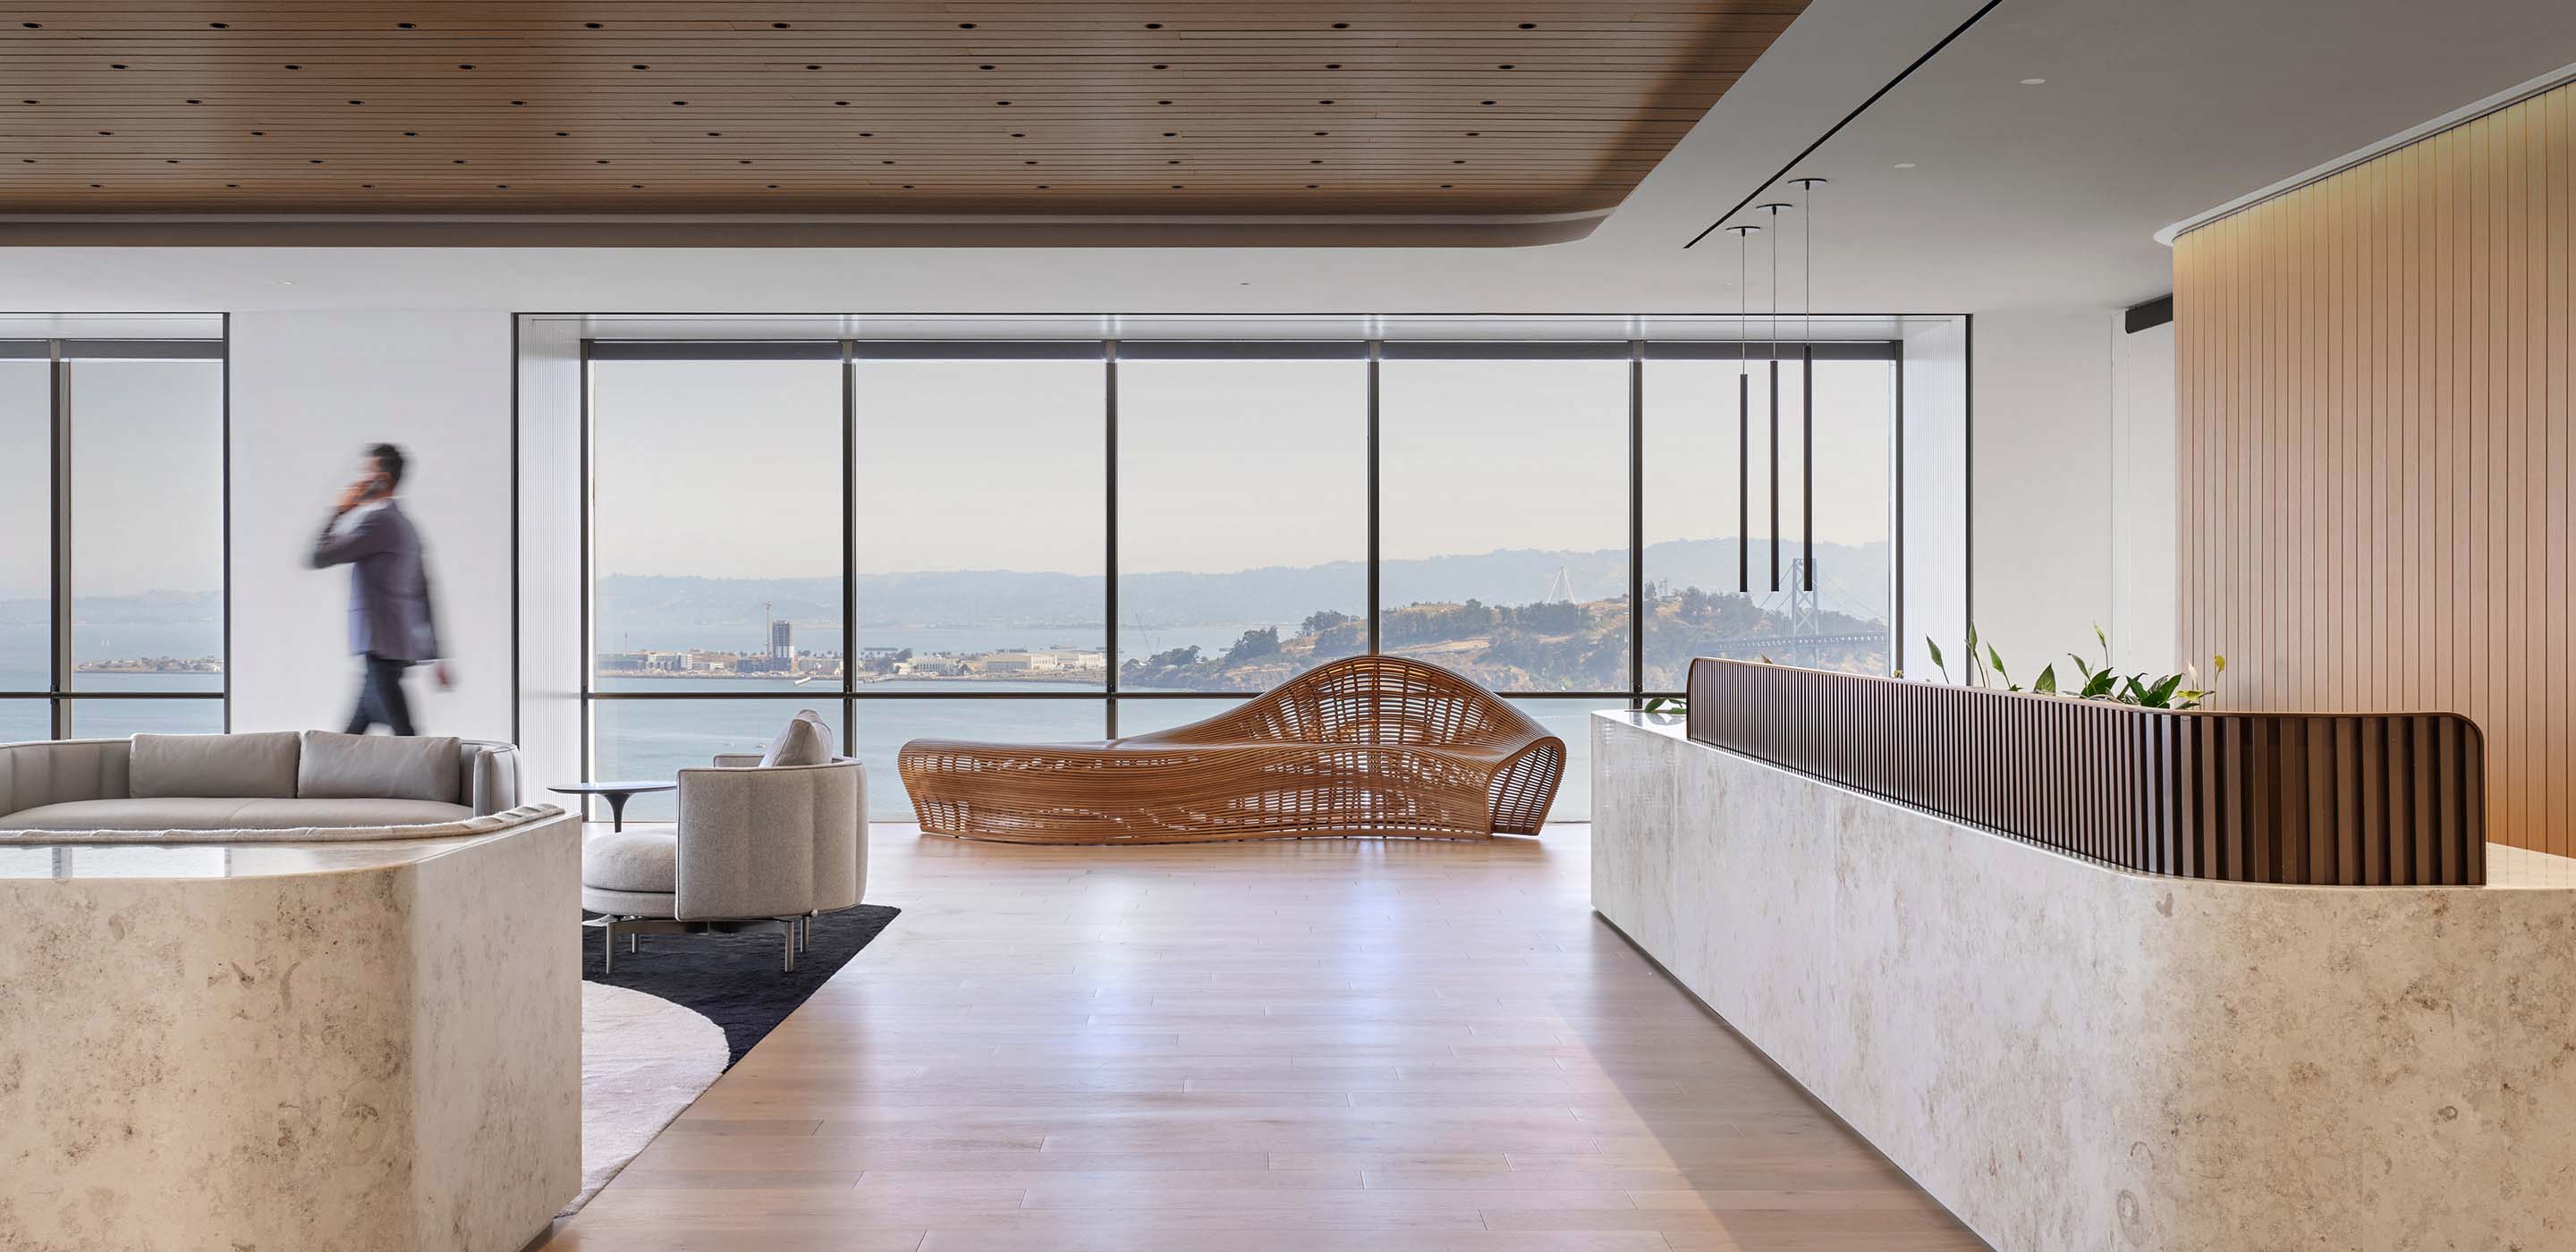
[
  {"x": 787, "y": 943},
  {"x": 631, "y": 937},
  {"x": 608, "y": 945}
]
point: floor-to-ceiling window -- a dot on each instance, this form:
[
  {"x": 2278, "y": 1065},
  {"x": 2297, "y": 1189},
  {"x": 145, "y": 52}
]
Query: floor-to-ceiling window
[
  {"x": 1071, "y": 540},
  {"x": 112, "y": 502},
  {"x": 1769, "y": 525}
]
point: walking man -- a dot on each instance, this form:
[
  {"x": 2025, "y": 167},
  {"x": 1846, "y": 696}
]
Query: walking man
[{"x": 390, "y": 621}]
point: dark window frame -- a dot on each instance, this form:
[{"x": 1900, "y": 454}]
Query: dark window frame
[
  {"x": 58, "y": 353},
  {"x": 1637, "y": 353}
]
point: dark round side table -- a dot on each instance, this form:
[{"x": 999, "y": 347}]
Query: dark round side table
[{"x": 618, "y": 793}]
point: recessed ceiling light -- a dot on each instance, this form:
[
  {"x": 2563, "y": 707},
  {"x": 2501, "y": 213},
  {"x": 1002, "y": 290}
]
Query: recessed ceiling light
[
  {"x": 286, "y": 282},
  {"x": 1905, "y": 165},
  {"x": 2032, "y": 82}
]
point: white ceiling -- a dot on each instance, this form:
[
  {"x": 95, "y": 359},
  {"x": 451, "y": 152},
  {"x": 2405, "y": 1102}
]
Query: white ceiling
[{"x": 2020, "y": 197}]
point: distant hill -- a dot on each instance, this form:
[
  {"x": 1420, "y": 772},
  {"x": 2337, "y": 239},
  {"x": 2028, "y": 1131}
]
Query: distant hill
[
  {"x": 1853, "y": 580},
  {"x": 151, "y": 608}
]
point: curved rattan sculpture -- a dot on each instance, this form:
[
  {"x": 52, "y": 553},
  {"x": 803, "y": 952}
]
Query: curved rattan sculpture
[{"x": 1370, "y": 745}]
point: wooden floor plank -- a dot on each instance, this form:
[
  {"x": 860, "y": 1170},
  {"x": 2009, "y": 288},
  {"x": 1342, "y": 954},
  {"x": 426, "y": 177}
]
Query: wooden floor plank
[{"x": 1320, "y": 1046}]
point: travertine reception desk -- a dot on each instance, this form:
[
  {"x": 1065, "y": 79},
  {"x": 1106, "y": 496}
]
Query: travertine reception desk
[
  {"x": 2072, "y": 1056},
  {"x": 356, "y": 1046}
]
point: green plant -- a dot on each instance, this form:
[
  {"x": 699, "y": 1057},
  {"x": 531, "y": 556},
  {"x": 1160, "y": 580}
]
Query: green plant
[
  {"x": 2150, "y": 691},
  {"x": 1676, "y": 705}
]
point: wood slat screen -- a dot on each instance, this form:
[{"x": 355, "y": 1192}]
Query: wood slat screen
[
  {"x": 2364, "y": 799},
  {"x": 2373, "y": 385}
]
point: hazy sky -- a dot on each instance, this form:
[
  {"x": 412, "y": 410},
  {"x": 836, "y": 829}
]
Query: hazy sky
[
  {"x": 147, "y": 477},
  {"x": 732, "y": 468}
]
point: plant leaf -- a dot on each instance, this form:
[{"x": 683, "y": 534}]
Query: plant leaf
[
  {"x": 2131, "y": 692},
  {"x": 2046, "y": 683},
  {"x": 1996, "y": 659},
  {"x": 2081, "y": 667},
  {"x": 2217, "y": 665},
  {"x": 2163, "y": 691},
  {"x": 2100, "y": 684}
]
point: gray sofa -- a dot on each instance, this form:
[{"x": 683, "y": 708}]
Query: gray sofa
[{"x": 271, "y": 782}]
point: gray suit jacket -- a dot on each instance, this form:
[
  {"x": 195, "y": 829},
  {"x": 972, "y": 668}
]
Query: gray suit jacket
[{"x": 389, "y": 602}]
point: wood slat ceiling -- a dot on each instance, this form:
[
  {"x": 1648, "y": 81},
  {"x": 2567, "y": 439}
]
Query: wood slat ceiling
[{"x": 1187, "y": 108}]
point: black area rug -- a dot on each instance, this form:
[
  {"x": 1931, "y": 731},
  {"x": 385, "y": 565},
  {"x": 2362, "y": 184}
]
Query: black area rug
[{"x": 734, "y": 979}]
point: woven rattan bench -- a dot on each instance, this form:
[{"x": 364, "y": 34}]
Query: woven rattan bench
[{"x": 1372, "y": 745}]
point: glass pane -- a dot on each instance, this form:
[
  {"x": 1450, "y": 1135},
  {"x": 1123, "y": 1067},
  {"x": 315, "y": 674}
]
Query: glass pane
[
  {"x": 1571, "y": 721},
  {"x": 1694, "y": 510},
  {"x": 1505, "y": 515},
  {"x": 1140, "y": 717},
  {"x": 980, "y": 523},
  {"x": 147, "y": 519},
  {"x": 653, "y": 739},
  {"x": 25, "y": 721},
  {"x": 1243, "y": 521},
  {"x": 717, "y": 522},
  {"x": 884, "y": 726},
  {"x": 1855, "y": 513},
  {"x": 26, "y": 522},
  {"x": 116, "y": 719}
]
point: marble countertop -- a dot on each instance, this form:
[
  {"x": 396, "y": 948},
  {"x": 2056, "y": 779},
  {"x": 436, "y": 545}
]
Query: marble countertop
[
  {"x": 2508, "y": 868},
  {"x": 220, "y": 860}
]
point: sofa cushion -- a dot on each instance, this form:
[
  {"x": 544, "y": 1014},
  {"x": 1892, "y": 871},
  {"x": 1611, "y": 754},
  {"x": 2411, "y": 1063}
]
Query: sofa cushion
[
  {"x": 213, "y": 765},
  {"x": 634, "y": 860},
  {"x": 350, "y": 811},
  {"x": 229, "y": 813},
  {"x": 378, "y": 767},
  {"x": 804, "y": 741}
]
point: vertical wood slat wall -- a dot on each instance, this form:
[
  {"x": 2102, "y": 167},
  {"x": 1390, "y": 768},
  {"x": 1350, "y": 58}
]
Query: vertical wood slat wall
[
  {"x": 2367, "y": 800},
  {"x": 2374, "y": 377}
]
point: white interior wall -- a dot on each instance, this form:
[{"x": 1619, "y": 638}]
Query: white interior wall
[
  {"x": 551, "y": 652},
  {"x": 309, "y": 392},
  {"x": 2040, "y": 501},
  {"x": 1935, "y": 492},
  {"x": 2142, "y": 498}
]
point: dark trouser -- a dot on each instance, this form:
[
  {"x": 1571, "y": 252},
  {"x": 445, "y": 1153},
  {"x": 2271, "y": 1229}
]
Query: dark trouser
[{"x": 380, "y": 697}]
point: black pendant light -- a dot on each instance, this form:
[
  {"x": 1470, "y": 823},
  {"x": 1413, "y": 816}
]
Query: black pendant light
[
  {"x": 1774, "y": 211},
  {"x": 1743, "y": 411},
  {"x": 1807, "y": 395}
]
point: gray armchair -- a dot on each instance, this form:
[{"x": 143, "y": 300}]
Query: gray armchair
[{"x": 753, "y": 845}]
